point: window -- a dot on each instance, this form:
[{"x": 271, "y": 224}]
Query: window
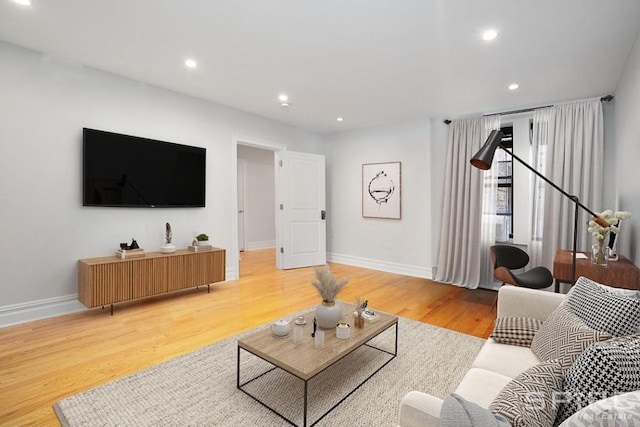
[{"x": 504, "y": 197}]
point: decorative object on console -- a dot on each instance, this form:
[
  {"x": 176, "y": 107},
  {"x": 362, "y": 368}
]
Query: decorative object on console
[
  {"x": 202, "y": 239},
  {"x": 600, "y": 250},
  {"x": 130, "y": 251},
  {"x": 200, "y": 243},
  {"x": 483, "y": 159},
  {"x": 168, "y": 248},
  {"x": 329, "y": 312}
]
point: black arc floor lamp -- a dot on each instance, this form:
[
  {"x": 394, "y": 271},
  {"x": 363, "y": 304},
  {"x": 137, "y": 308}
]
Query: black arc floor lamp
[{"x": 484, "y": 158}]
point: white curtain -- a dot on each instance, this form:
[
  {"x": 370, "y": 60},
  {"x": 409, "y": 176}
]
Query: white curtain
[
  {"x": 468, "y": 215},
  {"x": 568, "y": 148}
]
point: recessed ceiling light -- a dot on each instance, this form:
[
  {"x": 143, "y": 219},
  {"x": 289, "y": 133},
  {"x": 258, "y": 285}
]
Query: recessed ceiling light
[
  {"x": 23, "y": 2},
  {"x": 284, "y": 100},
  {"x": 489, "y": 35},
  {"x": 339, "y": 119},
  {"x": 191, "y": 63},
  {"x": 514, "y": 86}
]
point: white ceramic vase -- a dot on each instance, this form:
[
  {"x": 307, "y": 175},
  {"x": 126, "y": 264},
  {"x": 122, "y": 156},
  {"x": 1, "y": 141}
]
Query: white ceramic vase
[
  {"x": 328, "y": 314},
  {"x": 167, "y": 249}
]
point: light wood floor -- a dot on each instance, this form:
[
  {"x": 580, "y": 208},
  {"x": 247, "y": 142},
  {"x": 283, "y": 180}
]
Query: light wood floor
[{"x": 44, "y": 361}]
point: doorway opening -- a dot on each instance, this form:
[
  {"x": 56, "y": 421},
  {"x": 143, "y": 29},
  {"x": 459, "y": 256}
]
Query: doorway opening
[
  {"x": 256, "y": 201},
  {"x": 243, "y": 146}
]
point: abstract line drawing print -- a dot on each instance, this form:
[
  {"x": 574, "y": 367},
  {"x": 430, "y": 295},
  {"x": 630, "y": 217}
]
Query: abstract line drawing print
[
  {"x": 381, "y": 196},
  {"x": 381, "y": 188}
]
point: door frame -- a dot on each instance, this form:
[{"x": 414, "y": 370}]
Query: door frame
[
  {"x": 237, "y": 139},
  {"x": 241, "y": 171}
]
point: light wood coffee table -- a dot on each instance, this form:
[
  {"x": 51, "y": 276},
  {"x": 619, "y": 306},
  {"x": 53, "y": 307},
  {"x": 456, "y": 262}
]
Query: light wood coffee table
[{"x": 304, "y": 361}]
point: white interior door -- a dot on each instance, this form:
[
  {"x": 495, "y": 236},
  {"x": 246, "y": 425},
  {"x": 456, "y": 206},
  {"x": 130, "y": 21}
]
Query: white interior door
[
  {"x": 301, "y": 210},
  {"x": 241, "y": 233}
]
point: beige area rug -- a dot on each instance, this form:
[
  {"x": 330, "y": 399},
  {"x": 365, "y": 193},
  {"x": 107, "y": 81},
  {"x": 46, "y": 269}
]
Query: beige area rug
[{"x": 199, "y": 388}]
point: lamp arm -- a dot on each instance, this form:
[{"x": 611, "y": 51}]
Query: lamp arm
[
  {"x": 545, "y": 179},
  {"x": 597, "y": 218}
]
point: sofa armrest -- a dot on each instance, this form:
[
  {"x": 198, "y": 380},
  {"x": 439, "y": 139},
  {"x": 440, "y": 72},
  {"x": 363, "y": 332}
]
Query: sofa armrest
[
  {"x": 420, "y": 410},
  {"x": 514, "y": 301}
]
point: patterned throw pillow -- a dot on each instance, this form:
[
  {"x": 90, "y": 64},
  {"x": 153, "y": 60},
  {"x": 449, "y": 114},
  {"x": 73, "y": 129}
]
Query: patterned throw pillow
[
  {"x": 564, "y": 336},
  {"x": 529, "y": 400},
  {"x": 619, "y": 410},
  {"x": 603, "y": 310},
  {"x": 601, "y": 371},
  {"x": 515, "y": 330}
]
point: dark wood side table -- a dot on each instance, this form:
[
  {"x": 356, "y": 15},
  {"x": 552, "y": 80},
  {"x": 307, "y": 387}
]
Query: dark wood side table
[{"x": 619, "y": 274}]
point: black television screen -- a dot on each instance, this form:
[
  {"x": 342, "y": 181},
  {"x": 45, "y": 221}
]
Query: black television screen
[{"x": 129, "y": 171}]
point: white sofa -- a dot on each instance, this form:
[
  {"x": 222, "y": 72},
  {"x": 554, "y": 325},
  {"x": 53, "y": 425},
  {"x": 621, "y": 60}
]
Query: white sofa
[{"x": 495, "y": 365}]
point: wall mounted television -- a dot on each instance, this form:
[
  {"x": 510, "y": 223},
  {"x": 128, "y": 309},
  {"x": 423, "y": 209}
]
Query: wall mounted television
[{"x": 129, "y": 171}]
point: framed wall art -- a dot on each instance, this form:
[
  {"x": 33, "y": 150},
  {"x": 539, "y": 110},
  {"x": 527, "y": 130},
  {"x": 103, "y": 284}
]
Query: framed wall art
[{"x": 381, "y": 195}]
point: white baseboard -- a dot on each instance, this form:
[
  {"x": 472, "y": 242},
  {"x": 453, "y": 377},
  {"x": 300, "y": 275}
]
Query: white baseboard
[
  {"x": 261, "y": 245},
  {"x": 39, "y": 309},
  {"x": 389, "y": 267}
]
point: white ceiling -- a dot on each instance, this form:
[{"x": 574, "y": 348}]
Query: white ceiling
[{"x": 369, "y": 61}]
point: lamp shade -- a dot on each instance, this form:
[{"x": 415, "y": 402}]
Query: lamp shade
[{"x": 484, "y": 157}]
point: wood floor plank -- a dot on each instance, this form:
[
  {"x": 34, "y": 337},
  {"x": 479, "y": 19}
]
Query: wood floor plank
[{"x": 44, "y": 361}]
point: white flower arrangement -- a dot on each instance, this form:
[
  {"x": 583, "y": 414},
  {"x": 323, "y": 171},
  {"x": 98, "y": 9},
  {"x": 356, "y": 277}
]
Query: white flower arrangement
[
  {"x": 327, "y": 284},
  {"x": 599, "y": 232}
]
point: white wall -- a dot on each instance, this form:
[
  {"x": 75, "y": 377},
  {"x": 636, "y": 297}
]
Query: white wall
[
  {"x": 44, "y": 104},
  {"x": 404, "y": 245},
  {"x": 627, "y": 149},
  {"x": 260, "y": 197}
]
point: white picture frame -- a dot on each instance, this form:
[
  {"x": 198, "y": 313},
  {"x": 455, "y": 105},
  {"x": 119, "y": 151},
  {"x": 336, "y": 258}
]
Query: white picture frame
[{"x": 382, "y": 190}]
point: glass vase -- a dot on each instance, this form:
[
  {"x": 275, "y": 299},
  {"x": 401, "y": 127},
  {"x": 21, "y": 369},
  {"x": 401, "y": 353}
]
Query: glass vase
[{"x": 600, "y": 254}]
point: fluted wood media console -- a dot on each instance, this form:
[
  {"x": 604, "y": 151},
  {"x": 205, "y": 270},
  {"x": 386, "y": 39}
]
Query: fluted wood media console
[{"x": 109, "y": 280}]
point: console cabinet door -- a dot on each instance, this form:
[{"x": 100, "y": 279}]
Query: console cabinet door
[
  {"x": 148, "y": 277},
  {"x": 111, "y": 283}
]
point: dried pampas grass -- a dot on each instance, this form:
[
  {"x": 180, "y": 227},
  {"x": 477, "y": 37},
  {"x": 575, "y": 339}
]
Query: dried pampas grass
[{"x": 327, "y": 285}]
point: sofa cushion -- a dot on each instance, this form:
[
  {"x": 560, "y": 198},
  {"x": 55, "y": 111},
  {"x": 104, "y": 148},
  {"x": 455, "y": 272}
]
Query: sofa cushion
[
  {"x": 619, "y": 410},
  {"x": 505, "y": 359},
  {"x": 603, "y": 310},
  {"x": 459, "y": 412},
  {"x": 601, "y": 371},
  {"x": 515, "y": 330},
  {"x": 564, "y": 336},
  {"x": 529, "y": 400},
  {"x": 481, "y": 386}
]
